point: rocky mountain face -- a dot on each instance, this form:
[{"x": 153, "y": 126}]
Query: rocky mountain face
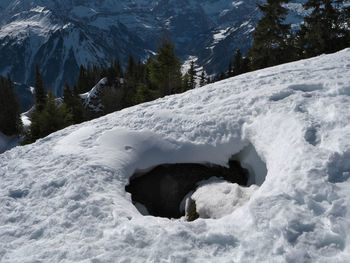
[{"x": 61, "y": 35}]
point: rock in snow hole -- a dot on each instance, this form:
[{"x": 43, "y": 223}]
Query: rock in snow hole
[{"x": 165, "y": 190}]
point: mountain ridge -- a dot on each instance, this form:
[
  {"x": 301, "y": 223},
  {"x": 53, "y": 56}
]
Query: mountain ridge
[{"x": 60, "y": 36}]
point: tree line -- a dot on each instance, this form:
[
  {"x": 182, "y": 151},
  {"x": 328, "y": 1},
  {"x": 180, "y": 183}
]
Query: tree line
[
  {"x": 139, "y": 82},
  {"x": 324, "y": 30},
  {"x": 10, "y": 121}
]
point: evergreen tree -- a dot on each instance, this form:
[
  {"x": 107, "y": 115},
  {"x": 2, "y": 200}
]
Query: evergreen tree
[
  {"x": 202, "y": 81},
  {"x": 186, "y": 82},
  {"x": 39, "y": 91},
  {"x": 229, "y": 70},
  {"x": 323, "y": 30},
  {"x": 147, "y": 90},
  {"x": 147, "y": 80},
  {"x": 68, "y": 95},
  {"x": 270, "y": 46},
  {"x": 143, "y": 94},
  {"x": 130, "y": 85},
  {"x": 192, "y": 76},
  {"x": 209, "y": 80},
  {"x": 47, "y": 121},
  {"x": 82, "y": 85},
  {"x": 74, "y": 104},
  {"x": 221, "y": 76},
  {"x": 237, "y": 63},
  {"x": 88, "y": 77},
  {"x": 53, "y": 117},
  {"x": 166, "y": 69},
  {"x": 113, "y": 73},
  {"x": 10, "y": 120},
  {"x": 240, "y": 64}
]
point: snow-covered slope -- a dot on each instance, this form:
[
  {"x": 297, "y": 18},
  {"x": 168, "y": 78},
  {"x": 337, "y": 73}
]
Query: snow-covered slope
[
  {"x": 60, "y": 36},
  {"x": 62, "y": 199}
]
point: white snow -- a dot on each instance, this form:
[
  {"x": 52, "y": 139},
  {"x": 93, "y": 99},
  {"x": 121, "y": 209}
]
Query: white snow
[
  {"x": 216, "y": 198},
  {"x": 25, "y": 117},
  {"x": 186, "y": 65},
  {"x": 92, "y": 94},
  {"x": 237, "y": 3},
  {"x": 220, "y": 35},
  {"x": 36, "y": 21},
  {"x": 62, "y": 199}
]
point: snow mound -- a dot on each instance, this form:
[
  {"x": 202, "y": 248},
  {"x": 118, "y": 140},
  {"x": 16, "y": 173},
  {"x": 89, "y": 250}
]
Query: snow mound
[
  {"x": 216, "y": 198},
  {"x": 63, "y": 198}
]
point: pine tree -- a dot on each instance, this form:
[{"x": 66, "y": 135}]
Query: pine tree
[
  {"x": 147, "y": 80},
  {"x": 237, "y": 63},
  {"x": 270, "y": 46},
  {"x": 50, "y": 119},
  {"x": 130, "y": 85},
  {"x": 88, "y": 77},
  {"x": 186, "y": 82},
  {"x": 112, "y": 73},
  {"x": 53, "y": 117},
  {"x": 10, "y": 121},
  {"x": 143, "y": 94},
  {"x": 82, "y": 81},
  {"x": 192, "y": 76},
  {"x": 166, "y": 69},
  {"x": 74, "y": 104},
  {"x": 345, "y": 21},
  {"x": 209, "y": 80},
  {"x": 240, "y": 64},
  {"x": 229, "y": 70},
  {"x": 323, "y": 30},
  {"x": 68, "y": 95},
  {"x": 202, "y": 80},
  {"x": 39, "y": 91}
]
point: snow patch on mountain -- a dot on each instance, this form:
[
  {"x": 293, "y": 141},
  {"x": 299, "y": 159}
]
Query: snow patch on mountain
[
  {"x": 62, "y": 35},
  {"x": 36, "y": 21}
]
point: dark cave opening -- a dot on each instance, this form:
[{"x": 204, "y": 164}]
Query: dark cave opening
[{"x": 162, "y": 189}]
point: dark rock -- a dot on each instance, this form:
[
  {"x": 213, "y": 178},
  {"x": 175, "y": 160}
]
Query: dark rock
[
  {"x": 191, "y": 210},
  {"x": 163, "y": 188}
]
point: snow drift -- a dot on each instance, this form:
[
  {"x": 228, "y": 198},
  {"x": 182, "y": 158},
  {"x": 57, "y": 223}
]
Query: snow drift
[{"x": 63, "y": 198}]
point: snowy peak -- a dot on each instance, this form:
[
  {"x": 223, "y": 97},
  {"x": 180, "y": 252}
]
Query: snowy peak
[
  {"x": 37, "y": 21},
  {"x": 60, "y": 36}
]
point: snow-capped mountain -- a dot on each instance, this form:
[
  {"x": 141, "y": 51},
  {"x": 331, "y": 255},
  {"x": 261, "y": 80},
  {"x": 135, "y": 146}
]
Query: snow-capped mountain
[
  {"x": 62, "y": 35},
  {"x": 63, "y": 198}
]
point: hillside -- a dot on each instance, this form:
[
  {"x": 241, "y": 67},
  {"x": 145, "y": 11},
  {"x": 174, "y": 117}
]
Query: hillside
[{"x": 63, "y": 198}]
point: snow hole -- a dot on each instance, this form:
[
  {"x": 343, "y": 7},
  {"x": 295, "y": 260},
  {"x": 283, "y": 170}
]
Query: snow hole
[{"x": 193, "y": 190}]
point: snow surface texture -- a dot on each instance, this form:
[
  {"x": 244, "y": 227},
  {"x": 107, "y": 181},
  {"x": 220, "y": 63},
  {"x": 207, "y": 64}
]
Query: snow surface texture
[
  {"x": 216, "y": 198},
  {"x": 62, "y": 199}
]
